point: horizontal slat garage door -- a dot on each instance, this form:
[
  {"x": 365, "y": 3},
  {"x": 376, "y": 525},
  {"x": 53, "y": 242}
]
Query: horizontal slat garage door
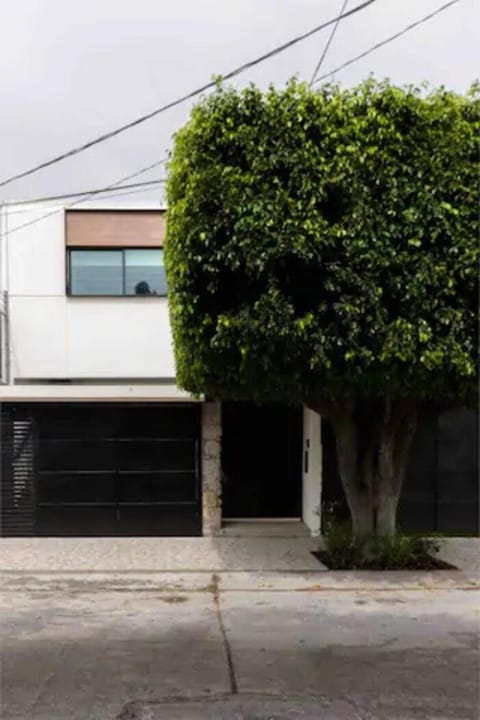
[{"x": 118, "y": 470}]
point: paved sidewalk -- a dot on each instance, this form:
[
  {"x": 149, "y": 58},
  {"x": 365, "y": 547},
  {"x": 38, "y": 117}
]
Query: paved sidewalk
[
  {"x": 463, "y": 552},
  {"x": 158, "y": 554},
  {"x": 166, "y": 554}
]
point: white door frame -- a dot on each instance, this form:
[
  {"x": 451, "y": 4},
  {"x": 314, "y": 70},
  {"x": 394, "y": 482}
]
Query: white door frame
[{"x": 312, "y": 471}]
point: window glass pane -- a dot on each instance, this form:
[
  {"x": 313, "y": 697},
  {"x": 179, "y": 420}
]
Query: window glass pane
[
  {"x": 145, "y": 272},
  {"x": 96, "y": 272}
]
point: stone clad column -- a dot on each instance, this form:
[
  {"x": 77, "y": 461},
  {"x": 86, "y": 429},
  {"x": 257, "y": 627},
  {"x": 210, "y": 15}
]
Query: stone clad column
[{"x": 211, "y": 467}]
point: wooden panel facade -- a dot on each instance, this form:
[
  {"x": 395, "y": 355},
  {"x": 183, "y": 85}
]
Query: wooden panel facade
[{"x": 115, "y": 228}]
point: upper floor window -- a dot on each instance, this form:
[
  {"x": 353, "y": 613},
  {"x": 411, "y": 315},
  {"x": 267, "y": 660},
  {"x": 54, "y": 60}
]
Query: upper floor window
[{"x": 120, "y": 271}]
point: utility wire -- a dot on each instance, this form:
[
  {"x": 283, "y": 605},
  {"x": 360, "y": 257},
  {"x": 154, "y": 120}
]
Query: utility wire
[
  {"x": 129, "y": 192},
  {"x": 327, "y": 44},
  {"x": 318, "y": 80},
  {"x": 85, "y": 197},
  {"x": 227, "y": 76},
  {"x": 29, "y": 201},
  {"x": 387, "y": 40},
  {"x": 115, "y": 194}
]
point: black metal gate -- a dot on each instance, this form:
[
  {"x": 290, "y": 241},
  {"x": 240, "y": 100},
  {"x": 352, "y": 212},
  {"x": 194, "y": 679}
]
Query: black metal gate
[
  {"x": 441, "y": 490},
  {"x": 95, "y": 469}
]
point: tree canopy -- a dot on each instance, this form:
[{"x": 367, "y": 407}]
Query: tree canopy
[{"x": 325, "y": 244}]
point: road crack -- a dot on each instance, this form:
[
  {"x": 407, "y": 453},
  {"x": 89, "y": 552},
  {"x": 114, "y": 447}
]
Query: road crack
[{"x": 226, "y": 643}]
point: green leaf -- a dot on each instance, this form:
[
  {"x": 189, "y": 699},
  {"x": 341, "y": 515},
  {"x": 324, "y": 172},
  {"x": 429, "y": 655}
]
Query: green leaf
[{"x": 326, "y": 242}]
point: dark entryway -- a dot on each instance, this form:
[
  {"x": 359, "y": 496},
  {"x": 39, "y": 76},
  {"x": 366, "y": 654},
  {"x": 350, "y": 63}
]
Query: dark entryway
[
  {"x": 261, "y": 461},
  {"x": 440, "y": 492},
  {"x": 95, "y": 469}
]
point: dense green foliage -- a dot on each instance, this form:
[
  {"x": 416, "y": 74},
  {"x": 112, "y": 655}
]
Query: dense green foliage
[{"x": 325, "y": 244}]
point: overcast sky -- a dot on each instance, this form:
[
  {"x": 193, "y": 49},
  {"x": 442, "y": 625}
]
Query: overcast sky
[{"x": 72, "y": 70}]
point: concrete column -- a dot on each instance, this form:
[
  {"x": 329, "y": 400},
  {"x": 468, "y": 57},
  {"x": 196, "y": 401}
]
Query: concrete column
[
  {"x": 211, "y": 467},
  {"x": 312, "y": 470}
]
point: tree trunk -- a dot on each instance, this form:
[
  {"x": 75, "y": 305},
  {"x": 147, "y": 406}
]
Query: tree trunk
[
  {"x": 361, "y": 514},
  {"x": 373, "y": 440}
]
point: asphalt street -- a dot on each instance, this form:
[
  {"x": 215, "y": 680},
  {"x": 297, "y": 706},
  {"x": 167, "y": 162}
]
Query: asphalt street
[{"x": 238, "y": 646}]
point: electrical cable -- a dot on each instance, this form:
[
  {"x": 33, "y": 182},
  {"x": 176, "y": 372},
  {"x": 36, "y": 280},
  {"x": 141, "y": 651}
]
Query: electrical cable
[
  {"x": 387, "y": 40},
  {"x": 409, "y": 27},
  {"x": 207, "y": 86},
  {"x": 85, "y": 198},
  {"x": 327, "y": 45},
  {"x": 26, "y": 209},
  {"x": 31, "y": 201}
]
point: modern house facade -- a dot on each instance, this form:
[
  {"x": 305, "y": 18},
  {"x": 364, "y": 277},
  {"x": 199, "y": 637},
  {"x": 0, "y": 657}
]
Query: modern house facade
[{"x": 96, "y": 438}]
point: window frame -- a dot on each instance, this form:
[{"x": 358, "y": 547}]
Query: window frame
[{"x": 102, "y": 248}]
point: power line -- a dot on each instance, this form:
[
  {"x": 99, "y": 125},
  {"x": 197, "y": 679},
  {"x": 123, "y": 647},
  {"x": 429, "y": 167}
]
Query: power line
[
  {"x": 26, "y": 209},
  {"x": 130, "y": 192},
  {"x": 98, "y": 191},
  {"x": 85, "y": 197},
  {"x": 322, "y": 77},
  {"x": 387, "y": 40},
  {"x": 228, "y": 76},
  {"x": 327, "y": 45}
]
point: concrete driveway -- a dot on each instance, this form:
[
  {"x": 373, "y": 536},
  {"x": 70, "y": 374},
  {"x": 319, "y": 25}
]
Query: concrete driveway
[{"x": 311, "y": 645}]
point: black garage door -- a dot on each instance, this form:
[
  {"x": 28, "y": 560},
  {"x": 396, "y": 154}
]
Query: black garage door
[{"x": 108, "y": 469}]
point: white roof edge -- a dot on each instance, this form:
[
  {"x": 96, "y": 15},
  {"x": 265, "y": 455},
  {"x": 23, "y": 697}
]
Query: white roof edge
[
  {"x": 83, "y": 393},
  {"x": 90, "y": 205},
  {"x": 149, "y": 205}
]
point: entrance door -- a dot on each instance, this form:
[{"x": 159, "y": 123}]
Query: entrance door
[
  {"x": 117, "y": 470},
  {"x": 261, "y": 461}
]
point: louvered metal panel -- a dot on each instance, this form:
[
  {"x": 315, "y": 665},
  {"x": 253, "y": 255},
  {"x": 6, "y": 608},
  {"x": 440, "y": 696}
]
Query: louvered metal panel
[
  {"x": 107, "y": 470},
  {"x": 17, "y": 472}
]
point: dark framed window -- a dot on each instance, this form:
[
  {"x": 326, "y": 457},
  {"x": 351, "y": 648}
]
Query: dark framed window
[{"x": 116, "y": 272}]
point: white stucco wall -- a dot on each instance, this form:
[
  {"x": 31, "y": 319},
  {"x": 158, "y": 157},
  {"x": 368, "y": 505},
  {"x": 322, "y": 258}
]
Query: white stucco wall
[
  {"x": 129, "y": 338},
  {"x": 55, "y": 336},
  {"x": 312, "y": 470}
]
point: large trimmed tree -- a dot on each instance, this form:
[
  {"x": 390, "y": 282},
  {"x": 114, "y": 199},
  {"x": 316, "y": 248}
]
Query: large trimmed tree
[{"x": 322, "y": 248}]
